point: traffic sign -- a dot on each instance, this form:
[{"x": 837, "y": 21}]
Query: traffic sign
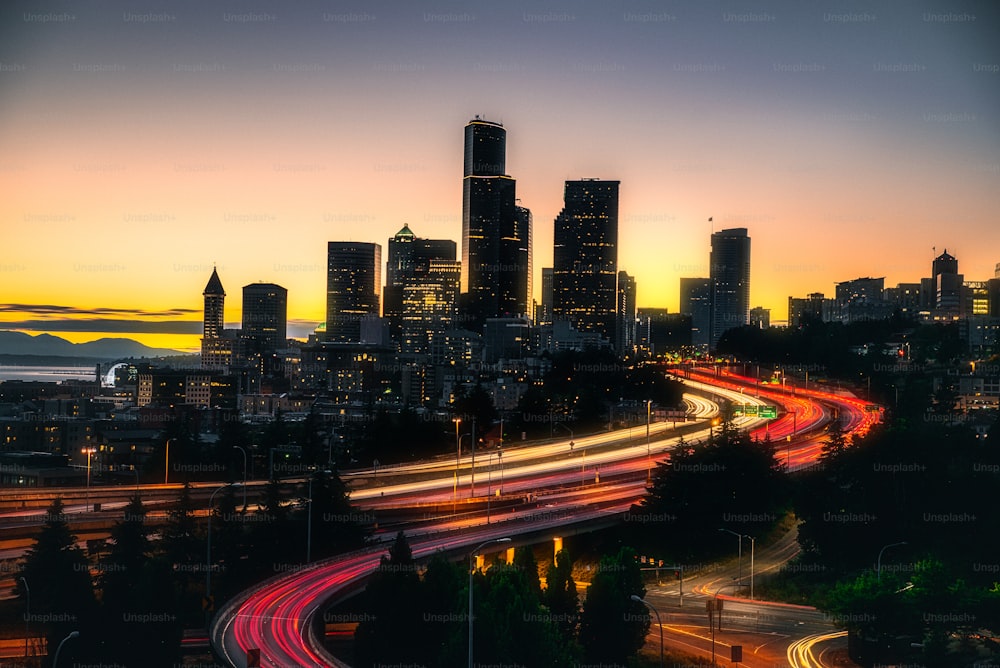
[
  {"x": 208, "y": 603},
  {"x": 253, "y": 658},
  {"x": 736, "y": 653},
  {"x": 750, "y": 409},
  {"x": 767, "y": 412}
]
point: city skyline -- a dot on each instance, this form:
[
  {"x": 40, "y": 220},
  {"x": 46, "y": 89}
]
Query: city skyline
[{"x": 849, "y": 142}]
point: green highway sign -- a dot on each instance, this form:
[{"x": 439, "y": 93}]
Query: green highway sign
[
  {"x": 750, "y": 409},
  {"x": 767, "y": 412}
]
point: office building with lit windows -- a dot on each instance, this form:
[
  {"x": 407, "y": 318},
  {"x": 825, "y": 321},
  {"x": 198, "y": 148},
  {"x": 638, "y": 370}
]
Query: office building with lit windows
[
  {"x": 496, "y": 232},
  {"x": 352, "y": 288},
  {"x": 409, "y": 264},
  {"x": 585, "y": 258},
  {"x": 729, "y": 271}
]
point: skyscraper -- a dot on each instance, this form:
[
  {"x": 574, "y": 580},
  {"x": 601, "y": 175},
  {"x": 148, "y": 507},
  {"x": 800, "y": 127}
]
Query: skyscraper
[
  {"x": 216, "y": 348},
  {"x": 215, "y": 302},
  {"x": 409, "y": 261},
  {"x": 265, "y": 317},
  {"x": 496, "y": 233},
  {"x": 729, "y": 271},
  {"x": 353, "y": 280},
  {"x": 585, "y": 257},
  {"x": 947, "y": 282},
  {"x": 626, "y": 313},
  {"x": 543, "y": 316},
  {"x": 696, "y": 301}
]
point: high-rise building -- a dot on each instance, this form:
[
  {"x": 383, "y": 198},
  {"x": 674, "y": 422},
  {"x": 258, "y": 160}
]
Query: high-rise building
[
  {"x": 626, "y": 313},
  {"x": 352, "y": 288},
  {"x": 947, "y": 282},
  {"x": 217, "y": 348},
  {"x": 543, "y": 316},
  {"x": 215, "y": 302},
  {"x": 408, "y": 263},
  {"x": 496, "y": 233},
  {"x": 862, "y": 299},
  {"x": 729, "y": 270},
  {"x": 429, "y": 307},
  {"x": 585, "y": 257},
  {"x": 696, "y": 301},
  {"x": 265, "y": 320}
]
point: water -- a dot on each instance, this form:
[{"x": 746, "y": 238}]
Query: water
[{"x": 49, "y": 374}]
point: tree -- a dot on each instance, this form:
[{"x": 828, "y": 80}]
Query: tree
[
  {"x": 835, "y": 443},
  {"x": 392, "y": 627},
  {"x": 140, "y": 625},
  {"x": 612, "y": 626},
  {"x": 58, "y": 577},
  {"x": 336, "y": 524},
  {"x": 560, "y": 595}
]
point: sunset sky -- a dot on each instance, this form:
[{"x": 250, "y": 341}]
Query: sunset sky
[{"x": 142, "y": 143}]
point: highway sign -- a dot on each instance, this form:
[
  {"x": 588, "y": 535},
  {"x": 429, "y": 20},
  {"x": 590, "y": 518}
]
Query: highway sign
[
  {"x": 750, "y": 409},
  {"x": 767, "y": 412}
]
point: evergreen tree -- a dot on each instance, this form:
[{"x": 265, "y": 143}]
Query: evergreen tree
[
  {"x": 61, "y": 590},
  {"x": 392, "y": 628},
  {"x": 560, "y": 595},
  {"x": 139, "y": 605},
  {"x": 612, "y": 626}
]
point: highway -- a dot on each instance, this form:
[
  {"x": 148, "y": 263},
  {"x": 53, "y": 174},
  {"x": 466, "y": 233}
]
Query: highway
[{"x": 279, "y": 616}]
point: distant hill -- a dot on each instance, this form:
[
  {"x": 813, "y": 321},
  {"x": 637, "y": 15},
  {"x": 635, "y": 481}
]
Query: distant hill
[{"x": 19, "y": 343}]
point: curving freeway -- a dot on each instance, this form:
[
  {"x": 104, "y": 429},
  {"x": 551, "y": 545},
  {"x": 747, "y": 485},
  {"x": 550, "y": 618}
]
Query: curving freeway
[{"x": 279, "y": 616}]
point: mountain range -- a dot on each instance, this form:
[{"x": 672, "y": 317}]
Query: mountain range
[{"x": 46, "y": 345}]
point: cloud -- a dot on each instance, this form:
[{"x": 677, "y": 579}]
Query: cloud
[
  {"x": 71, "y": 311},
  {"x": 107, "y": 325}
]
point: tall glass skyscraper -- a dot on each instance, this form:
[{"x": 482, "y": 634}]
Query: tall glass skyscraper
[
  {"x": 409, "y": 263},
  {"x": 729, "y": 272},
  {"x": 265, "y": 316},
  {"x": 353, "y": 280},
  {"x": 496, "y": 233},
  {"x": 585, "y": 257}
]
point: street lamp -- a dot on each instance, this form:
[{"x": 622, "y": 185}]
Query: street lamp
[
  {"x": 88, "y": 452},
  {"x": 649, "y": 461},
  {"x": 309, "y": 523},
  {"x": 637, "y": 599},
  {"x": 244, "y": 452},
  {"x": 27, "y": 615},
  {"x": 458, "y": 468},
  {"x": 878, "y": 566},
  {"x": 166, "y": 463},
  {"x": 471, "y": 569},
  {"x": 71, "y": 636},
  {"x": 739, "y": 580},
  {"x": 208, "y": 553}
]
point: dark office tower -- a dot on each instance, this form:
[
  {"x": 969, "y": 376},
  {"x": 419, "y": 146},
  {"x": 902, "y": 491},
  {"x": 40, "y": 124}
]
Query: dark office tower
[
  {"x": 494, "y": 234},
  {"x": 544, "y": 314},
  {"x": 585, "y": 257},
  {"x": 515, "y": 266},
  {"x": 696, "y": 301},
  {"x": 352, "y": 288},
  {"x": 947, "y": 282},
  {"x": 265, "y": 317},
  {"x": 729, "y": 270},
  {"x": 409, "y": 260},
  {"x": 215, "y": 301},
  {"x": 626, "y": 313}
]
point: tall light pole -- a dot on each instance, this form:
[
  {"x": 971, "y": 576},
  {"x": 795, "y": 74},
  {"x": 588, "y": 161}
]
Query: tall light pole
[
  {"x": 878, "y": 566},
  {"x": 27, "y": 615},
  {"x": 309, "y": 522},
  {"x": 166, "y": 463},
  {"x": 88, "y": 452},
  {"x": 658, "y": 622},
  {"x": 71, "y": 636},
  {"x": 458, "y": 468},
  {"x": 500, "y": 459},
  {"x": 739, "y": 580},
  {"x": 753, "y": 541},
  {"x": 472, "y": 466},
  {"x": 649, "y": 461},
  {"x": 240, "y": 448},
  {"x": 208, "y": 553},
  {"x": 471, "y": 570}
]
